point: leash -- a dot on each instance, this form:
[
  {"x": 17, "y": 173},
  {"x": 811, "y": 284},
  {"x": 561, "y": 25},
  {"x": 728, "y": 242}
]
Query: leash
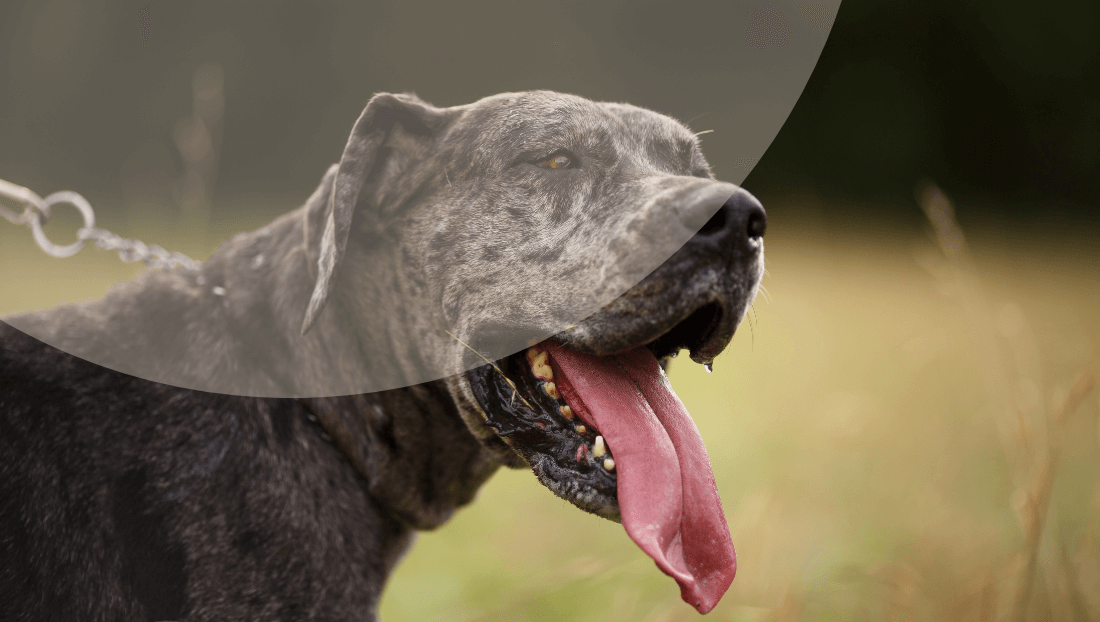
[{"x": 37, "y": 212}]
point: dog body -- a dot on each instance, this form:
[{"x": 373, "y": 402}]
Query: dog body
[
  {"x": 124, "y": 499},
  {"x": 189, "y": 447}
]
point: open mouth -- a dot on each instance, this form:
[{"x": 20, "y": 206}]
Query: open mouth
[{"x": 608, "y": 433}]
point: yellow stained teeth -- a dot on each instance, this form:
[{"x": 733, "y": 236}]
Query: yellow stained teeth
[
  {"x": 551, "y": 389},
  {"x": 609, "y": 464},
  {"x": 540, "y": 363},
  {"x": 598, "y": 448},
  {"x": 581, "y": 429},
  {"x": 566, "y": 412}
]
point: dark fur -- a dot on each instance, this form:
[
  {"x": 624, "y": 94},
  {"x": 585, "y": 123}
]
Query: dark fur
[{"x": 122, "y": 498}]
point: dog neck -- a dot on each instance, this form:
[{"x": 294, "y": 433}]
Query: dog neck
[{"x": 411, "y": 448}]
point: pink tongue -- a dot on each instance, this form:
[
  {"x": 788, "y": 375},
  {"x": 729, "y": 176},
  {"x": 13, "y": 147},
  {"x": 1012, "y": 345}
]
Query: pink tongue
[{"x": 667, "y": 497}]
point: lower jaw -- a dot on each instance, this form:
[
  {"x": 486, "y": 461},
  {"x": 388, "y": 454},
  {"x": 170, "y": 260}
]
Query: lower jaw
[{"x": 569, "y": 455}]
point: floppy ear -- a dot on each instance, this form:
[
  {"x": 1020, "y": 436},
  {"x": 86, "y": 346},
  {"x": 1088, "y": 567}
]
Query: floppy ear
[{"x": 359, "y": 159}]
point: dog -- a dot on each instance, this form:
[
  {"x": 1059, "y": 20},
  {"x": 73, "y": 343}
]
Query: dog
[{"x": 495, "y": 284}]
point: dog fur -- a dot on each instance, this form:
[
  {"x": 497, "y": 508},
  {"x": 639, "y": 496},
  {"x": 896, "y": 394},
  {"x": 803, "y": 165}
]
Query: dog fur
[{"x": 260, "y": 439}]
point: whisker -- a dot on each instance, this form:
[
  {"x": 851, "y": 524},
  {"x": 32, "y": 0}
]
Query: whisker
[
  {"x": 752, "y": 329},
  {"x": 703, "y": 132},
  {"x": 698, "y": 116},
  {"x": 767, "y": 295}
]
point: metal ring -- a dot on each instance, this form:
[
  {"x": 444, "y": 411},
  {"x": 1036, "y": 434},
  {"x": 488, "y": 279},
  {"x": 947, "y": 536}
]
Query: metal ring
[{"x": 77, "y": 201}]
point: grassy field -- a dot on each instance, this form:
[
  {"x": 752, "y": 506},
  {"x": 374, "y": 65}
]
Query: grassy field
[{"x": 885, "y": 438}]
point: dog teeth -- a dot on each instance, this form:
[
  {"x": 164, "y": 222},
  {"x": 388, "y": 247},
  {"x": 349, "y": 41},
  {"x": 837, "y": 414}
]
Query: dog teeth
[
  {"x": 540, "y": 363},
  {"x": 598, "y": 448},
  {"x": 566, "y": 412},
  {"x": 581, "y": 429},
  {"x": 609, "y": 464},
  {"x": 551, "y": 389}
]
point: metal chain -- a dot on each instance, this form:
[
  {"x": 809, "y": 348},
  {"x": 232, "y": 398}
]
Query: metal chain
[{"x": 37, "y": 212}]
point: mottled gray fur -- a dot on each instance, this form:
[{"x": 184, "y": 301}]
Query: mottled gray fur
[
  {"x": 434, "y": 222},
  {"x": 187, "y": 490}
]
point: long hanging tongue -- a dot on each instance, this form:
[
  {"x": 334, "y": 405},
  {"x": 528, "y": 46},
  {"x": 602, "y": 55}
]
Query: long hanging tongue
[{"x": 667, "y": 497}]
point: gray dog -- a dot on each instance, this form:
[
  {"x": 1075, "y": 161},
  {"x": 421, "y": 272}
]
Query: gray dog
[{"x": 218, "y": 445}]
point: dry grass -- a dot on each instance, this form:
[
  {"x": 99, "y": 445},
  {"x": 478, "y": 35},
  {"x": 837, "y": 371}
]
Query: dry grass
[
  {"x": 1011, "y": 362},
  {"x": 909, "y": 435}
]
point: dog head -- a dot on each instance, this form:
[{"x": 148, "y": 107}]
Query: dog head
[
  {"x": 543, "y": 252},
  {"x": 500, "y": 223}
]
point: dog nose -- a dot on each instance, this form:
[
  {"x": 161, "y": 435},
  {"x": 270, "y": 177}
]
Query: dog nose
[{"x": 740, "y": 221}]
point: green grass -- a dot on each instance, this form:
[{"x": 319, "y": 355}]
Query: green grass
[{"x": 866, "y": 470}]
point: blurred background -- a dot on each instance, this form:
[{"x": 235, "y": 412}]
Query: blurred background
[{"x": 905, "y": 427}]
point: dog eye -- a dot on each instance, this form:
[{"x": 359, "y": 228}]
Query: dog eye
[{"x": 558, "y": 160}]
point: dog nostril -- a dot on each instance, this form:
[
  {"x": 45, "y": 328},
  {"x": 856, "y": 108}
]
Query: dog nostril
[
  {"x": 716, "y": 223},
  {"x": 758, "y": 224},
  {"x": 740, "y": 220}
]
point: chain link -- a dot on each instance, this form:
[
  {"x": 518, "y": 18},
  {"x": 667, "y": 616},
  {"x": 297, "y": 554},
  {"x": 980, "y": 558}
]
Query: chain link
[{"x": 37, "y": 212}]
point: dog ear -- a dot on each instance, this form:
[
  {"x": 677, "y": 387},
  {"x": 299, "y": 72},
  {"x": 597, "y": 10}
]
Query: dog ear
[{"x": 383, "y": 111}]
